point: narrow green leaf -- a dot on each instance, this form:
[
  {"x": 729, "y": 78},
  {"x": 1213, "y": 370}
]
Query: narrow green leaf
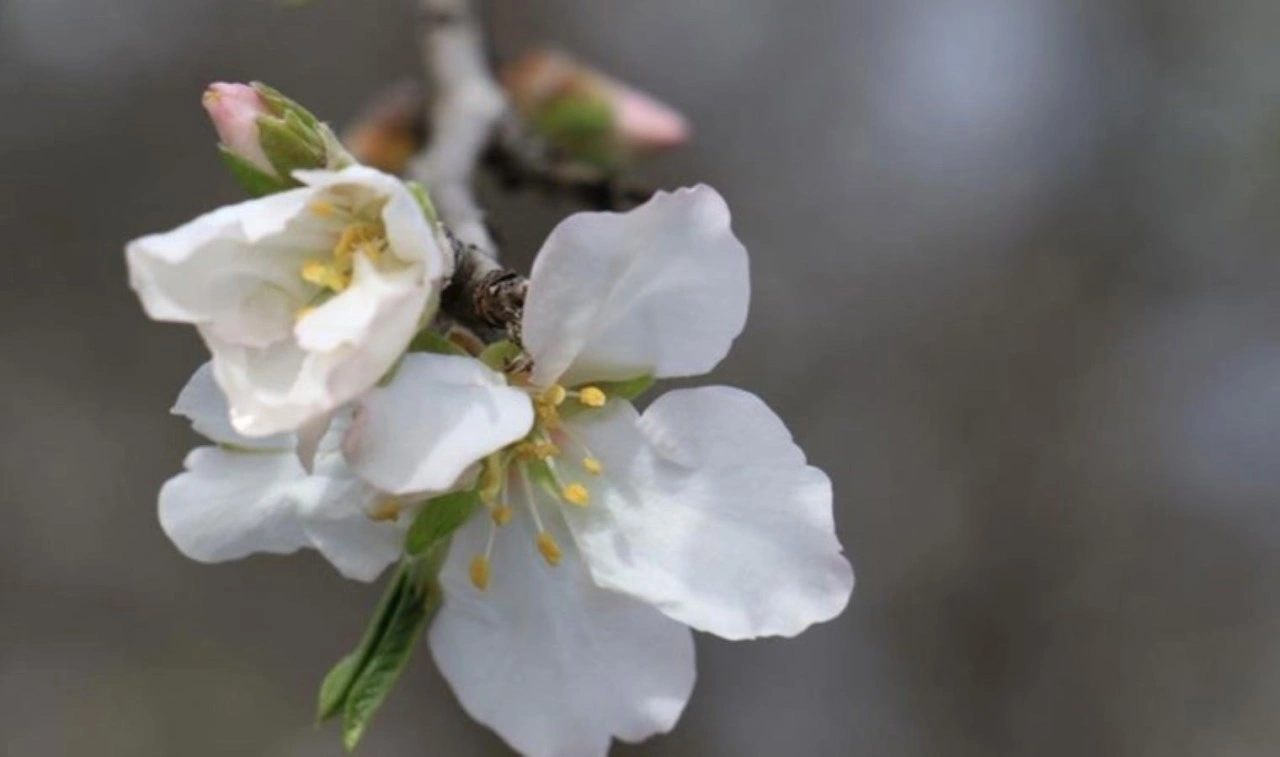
[
  {"x": 336, "y": 687},
  {"x": 254, "y": 180},
  {"x": 431, "y": 341},
  {"x": 628, "y": 389},
  {"x": 378, "y": 676},
  {"x": 498, "y": 354},
  {"x": 438, "y": 519}
]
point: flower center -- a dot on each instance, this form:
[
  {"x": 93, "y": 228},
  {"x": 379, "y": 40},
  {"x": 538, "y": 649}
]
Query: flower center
[
  {"x": 357, "y": 238},
  {"x": 550, "y": 463}
]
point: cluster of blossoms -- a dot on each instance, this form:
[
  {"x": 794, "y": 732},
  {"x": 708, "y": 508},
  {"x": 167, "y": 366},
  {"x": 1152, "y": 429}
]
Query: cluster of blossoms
[{"x": 593, "y": 536}]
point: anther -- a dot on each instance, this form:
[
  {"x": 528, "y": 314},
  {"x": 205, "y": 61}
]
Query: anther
[
  {"x": 480, "y": 572},
  {"x": 576, "y": 494},
  {"x": 501, "y": 514},
  {"x": 549, "y": 549},
  {"x": 592, "y": 396},
  {"x": 386, "y": 510},
  {"x": 592, "y": 466},
  {"x": 555, "y": 394}
]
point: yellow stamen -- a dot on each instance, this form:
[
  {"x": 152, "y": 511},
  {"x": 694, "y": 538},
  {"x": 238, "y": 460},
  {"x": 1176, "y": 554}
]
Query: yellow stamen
[
  {"x": 592, "y": 466},
  {"x": 492, "y": 477},
  {"x": 361, "y": 237},
  {"x": 480, "y": 572},
  {"x": 555, "y": 395},
  {"x": 592, "y": 396},
  {"x": 386, "y": 510},
  {"x": 548, "y": 416},
  {"x": 576, "y": 494},
  {"x": 501, "y": 514},
  {"x": 549, "y": 549},
  {"x": 326, "y": 275}
]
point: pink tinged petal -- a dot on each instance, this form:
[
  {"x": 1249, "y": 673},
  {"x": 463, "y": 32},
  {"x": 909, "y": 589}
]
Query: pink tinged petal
[
  {"x": 228, "y": 505},
  {"x": 203, "y": 403},
  {"x": 660, "y": 290},
  {"x": 552, "y": 663},
  {"x": 708, "y": 510},
  {"x": 234, "y": 110},
  {"x": 439, "y": 415}
]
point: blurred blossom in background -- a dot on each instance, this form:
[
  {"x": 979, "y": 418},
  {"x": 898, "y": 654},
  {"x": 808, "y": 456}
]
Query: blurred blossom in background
[{"x": 1015, "y": 271}]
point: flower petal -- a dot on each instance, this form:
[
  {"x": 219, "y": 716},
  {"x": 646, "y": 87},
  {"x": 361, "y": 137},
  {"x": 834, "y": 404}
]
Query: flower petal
[
  {"x": 708, "y": 510},
  {"x": 343, "y": 348},
  {"x": 235, "y": 270},
  {"x": 437, "y": 417},
  {"x": 231, "y": 504},
  {"x": 661, "y": 290},
  {"x": 204, "y": 404},
  {"x": 411, "y": 236},
  {"x": 555, "y": 665},
  {"x": 335, "y": 506}
]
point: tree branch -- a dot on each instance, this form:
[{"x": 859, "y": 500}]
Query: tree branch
[{"x": 468, "y": 105}]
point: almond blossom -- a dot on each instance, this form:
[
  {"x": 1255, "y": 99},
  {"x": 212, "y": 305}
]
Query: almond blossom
[
  {"x": 609, "y": 533},
  {"x": 305, "y": 298}
]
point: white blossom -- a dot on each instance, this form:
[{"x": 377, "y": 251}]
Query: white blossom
[
  {"x": 305, "y": 298},
  {"x": 610, "y": 532},
  {"x": 245, "y": 495}
]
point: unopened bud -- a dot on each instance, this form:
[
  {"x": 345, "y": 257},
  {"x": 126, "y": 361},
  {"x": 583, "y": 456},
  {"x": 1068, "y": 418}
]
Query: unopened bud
[
  {"x": 234, "y": 110},
  {"x": 266, "y": 136},
  {"x": 590, "y": 115}
]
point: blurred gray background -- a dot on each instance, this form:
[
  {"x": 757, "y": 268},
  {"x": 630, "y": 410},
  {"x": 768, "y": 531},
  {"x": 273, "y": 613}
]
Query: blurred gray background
[{"x": 1015, "y": 272}]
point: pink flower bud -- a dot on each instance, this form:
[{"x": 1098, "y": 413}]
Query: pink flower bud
[
  {"x": 640, "y": 123},
  {"x": 234, "y": 110},
  {"x": 646, "y": 124}
]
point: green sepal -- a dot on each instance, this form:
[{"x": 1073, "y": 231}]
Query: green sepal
[
  {"x": 285, "y": 149},
  {"x": 584, "y": 127},
  {"x": 499, "y": 354},
  {"x": 414, "y": 604},
  {"x": 438, "y": 519},
  {"x": 435, "y": 342},
  {"x": 420, "y": 194},
  {"x": 628, "y": 389},
  {"x": 281, "y": 105},
  {"x": 253, "y": 180}
]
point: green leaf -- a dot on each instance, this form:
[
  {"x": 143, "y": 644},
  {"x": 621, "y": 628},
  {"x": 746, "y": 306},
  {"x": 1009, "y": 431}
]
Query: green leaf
[
  {"x": 418, "y": 600},
  {"x": 627, "y": 390},
  {"x": 498, "y": 354},
  {"x": 438, "y": 519},
  {"x": 337, "y": 684},
  {"x": 254, "y": 180},
  {"x": 334, "y": 688},
  {"x": 431, "y": 341}
]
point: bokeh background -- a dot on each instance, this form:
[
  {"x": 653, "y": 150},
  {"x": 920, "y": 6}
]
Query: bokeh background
[{"x": 1015, "y": 272}]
